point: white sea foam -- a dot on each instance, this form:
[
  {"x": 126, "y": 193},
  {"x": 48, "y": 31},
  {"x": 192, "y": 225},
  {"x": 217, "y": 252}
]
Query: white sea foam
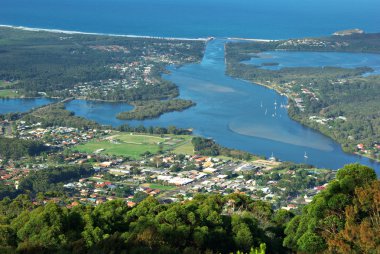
[{"x": 103, "y": 34}]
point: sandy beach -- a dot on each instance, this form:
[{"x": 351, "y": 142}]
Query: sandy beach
[{"x": 103, "y": 34}]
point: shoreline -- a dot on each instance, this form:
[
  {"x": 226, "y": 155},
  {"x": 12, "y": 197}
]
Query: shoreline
[
  {"x": 288, "y": 97},
  {"x": 37, "y": 29},
  {"x": 251, "y": 39},
  {"x": 63, "y": 31},
  {"x": 366, "y": 156}
]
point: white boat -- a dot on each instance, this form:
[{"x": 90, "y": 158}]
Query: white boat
[{"x": 305, "y": 156}]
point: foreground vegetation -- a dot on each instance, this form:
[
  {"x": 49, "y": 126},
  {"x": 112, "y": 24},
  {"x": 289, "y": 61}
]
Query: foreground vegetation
[
  {"x": 341, "y": 103},
  {"x": 344, "y": 218}
]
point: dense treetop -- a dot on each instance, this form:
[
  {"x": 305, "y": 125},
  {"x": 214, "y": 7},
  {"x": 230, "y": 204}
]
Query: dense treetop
[{"x": 344, "y": 218}]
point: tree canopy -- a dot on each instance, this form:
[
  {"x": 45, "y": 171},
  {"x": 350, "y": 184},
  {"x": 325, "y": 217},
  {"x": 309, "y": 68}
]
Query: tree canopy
[{"x": 324, "y": 223}]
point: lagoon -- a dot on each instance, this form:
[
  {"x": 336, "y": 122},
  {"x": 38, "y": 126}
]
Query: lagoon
[
  {"x": 22, "y": 105},
  {"x": 290, "y": 59}
]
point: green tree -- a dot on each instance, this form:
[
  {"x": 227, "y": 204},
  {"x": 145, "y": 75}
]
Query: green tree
[{"x": 324, "y": 217}]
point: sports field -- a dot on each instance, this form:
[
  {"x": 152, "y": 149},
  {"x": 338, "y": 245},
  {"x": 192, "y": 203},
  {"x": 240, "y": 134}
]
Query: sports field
[
  {"x": 161, "y": 187},
  {"x": 132, "y": 145},
  {"x": 8, "y": 93}
]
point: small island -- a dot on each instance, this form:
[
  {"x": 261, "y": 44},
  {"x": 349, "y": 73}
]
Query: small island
[
  {"x": 154, "y": 108},
  {"x": 270, "y": 64}
]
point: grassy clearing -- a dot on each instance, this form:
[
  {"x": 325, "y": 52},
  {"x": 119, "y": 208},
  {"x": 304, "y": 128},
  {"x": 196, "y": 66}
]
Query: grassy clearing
[
  {"x": 185, "y": 148},
  {"x": 4, "y": 83},
  {"x": 161, "y": 187},
  {"x": 106, "y": 147},
  {"x": 132, "y": 145},
  {"x": 8, "y": 93}
]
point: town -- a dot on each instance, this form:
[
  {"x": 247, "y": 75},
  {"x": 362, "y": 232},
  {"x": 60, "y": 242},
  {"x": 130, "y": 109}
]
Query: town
[
  {"x": 167, "y": 167},
  {"x": 134, "y": 72}
]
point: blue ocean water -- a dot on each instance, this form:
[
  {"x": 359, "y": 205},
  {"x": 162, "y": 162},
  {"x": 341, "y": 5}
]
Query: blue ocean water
[{"x": 273, "y": 19}]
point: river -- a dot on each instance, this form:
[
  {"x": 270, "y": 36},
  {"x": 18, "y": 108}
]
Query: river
[
  {"x": 235, "y": 113},
  {"x": 227, "y": 110}
]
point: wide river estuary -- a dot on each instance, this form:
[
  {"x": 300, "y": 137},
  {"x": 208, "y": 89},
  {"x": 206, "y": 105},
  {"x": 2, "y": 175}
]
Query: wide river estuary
[{"x": 235, "y": 113}]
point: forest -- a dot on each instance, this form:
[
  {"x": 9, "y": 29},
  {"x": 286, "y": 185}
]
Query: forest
[
  {"x": 154, "y": 130},
  {"x": 209, "y": 147},
  {"x": 13, "y": 148},
  {"x": 343, "y": 218},
  {"x": 55, "y": 114},
  {"x": 52, "y": 178}
]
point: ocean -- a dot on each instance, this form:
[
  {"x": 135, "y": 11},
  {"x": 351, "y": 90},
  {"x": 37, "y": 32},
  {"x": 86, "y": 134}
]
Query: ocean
[{"x": 273, "y": 19}]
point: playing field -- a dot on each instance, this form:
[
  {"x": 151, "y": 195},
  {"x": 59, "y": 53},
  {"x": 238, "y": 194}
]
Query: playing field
[
  {"x": 185, "y": 148},
  {"x": 132, "y": 145},
  {"x": 161, "y": 187},
  {"x": 8, "y": 93}
]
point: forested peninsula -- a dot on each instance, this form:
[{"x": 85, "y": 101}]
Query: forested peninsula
[{"x": 94, "y": 67}]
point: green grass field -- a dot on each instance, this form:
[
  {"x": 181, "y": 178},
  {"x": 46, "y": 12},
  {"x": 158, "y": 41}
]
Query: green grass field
[
  {"x": 185, "y": 148},
  {"x": 125, "y": 144},
  {"x": 161, "y": 187},
  {"x": 8, "y": 93}
]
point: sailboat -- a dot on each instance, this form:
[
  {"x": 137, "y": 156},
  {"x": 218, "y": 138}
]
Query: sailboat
[
  {"x": 305, "y": 156},
  {"x": 275, "y": 102},
  {"x": 261, "y": 105}
]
